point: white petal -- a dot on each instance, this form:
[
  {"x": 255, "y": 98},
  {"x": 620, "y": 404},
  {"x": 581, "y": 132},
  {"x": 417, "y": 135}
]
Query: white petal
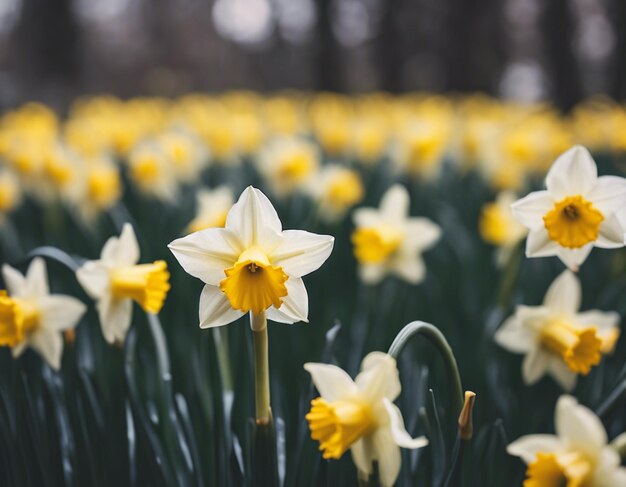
[
  {"x": 531, "y": 209},
  {"x": 366, "y": 217},
  {"x": 603, "y": 321},
  {"x": 94, "y": 277},
  {"x": 410, "y": 268},
  {"x": 49, "y": 344},
  {"x": 573, "y": 258},
  {"x": 528, "y": 446},
  {"x": 394, "y": 204},
  {"x": 363, "y": 457},
  {"x": 36, "y": 279},
  {"x": 13, "y": 280},
  {"x": 562, "y": 374},
  {"x": 122, "y": 251},
  {"x": 378, "y": 377},
  {"x": 59, "y": 312},
  {"x": 332, "y": 382},
  {"x": 207, "y": 253},
  {"x": 535, "y": 366},
  {"x": 579, "y": 426},
  {"x": 538, "y": 244},
  {"x": 215, "y": 309},
  {"x": 388, "y": 456},
  {"x": 399, "y": 433},
  {"x": 515, "y": 337},
  {"x": 421, "y": 233},
  {"x": 254, "y": 220},
  {"x": 611, "y": 234},
  {"x": 573, "y": 173},
  {"x": 115, "y": 317},
  {"x": 372, "y": 273},
  {"x": 300, "y": 252},
  {"x": 564, "y": 294},
  {"x": 295, "y": 306},
  {"x": 608, "y": 194}
]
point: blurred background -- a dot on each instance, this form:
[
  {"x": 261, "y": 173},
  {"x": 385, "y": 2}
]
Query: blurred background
[{"x": 529, "y": 50}]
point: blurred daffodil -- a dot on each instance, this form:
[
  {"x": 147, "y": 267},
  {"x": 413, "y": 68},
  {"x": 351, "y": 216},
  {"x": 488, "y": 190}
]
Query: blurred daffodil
[
  {"x": 152, "y": 172},
  {"x": 252, "y": 265},
  {"x": 498, "y": 226},
  {"x": 576, "y": 212},
  {"x": 388, "y": 241},
  {"x": 10, "y": 192},
  {"x": 557, "y": 339},
  {"x": 212, "y": 207},
  {"x": 32, "y": 317},
  {"x": 184, "y": 153},
  {"x": 336, "y": 189},
  {"x": 116, "y": 280},
  {"x": 360, "y": 416},
  {"x": 578, "y": 455}
]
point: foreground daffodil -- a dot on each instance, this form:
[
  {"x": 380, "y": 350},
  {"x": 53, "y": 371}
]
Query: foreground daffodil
[
  {"x": 388, "y": 241},
  {"x": 360, "y": 416},
  {"x": 577, "y": 456},
  {"x": 252, "y": 265},
  {"x": 32, "y": 317},
  {"x": 576, "y": 212},
  {"x": 556, "y": 338},
  {"x": 115, "y": 281}
]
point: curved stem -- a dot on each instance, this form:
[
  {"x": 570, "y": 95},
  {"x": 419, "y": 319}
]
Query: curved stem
[{"x": 439, "y": 341}]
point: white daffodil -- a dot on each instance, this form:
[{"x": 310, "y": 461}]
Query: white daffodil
[
  {"x": 498, "y": 226},
  {"x": 556, "y": 338},
  {"x": 152, "y": 172},
  {"x": 252, "y": 264},
  {"x": 388, "y": 241},
  {"x": 336, "y": 189},
  {"x": 212, "y": 208},
  {"x": 115, "y": 281},
  {"x": 577, "y": 211},
  {"x": 32, "y": 317},
  {"x": 578, "y": 455},
  {"x": 360, "y": 415}
]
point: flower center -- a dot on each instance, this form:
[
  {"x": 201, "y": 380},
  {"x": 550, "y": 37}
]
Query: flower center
[
  {"x": 18, "y": 318},
  {"x": 345, "y": 190},
  {"x": 372, "y": 246},
  {"x": 146, "y": 170},
  {"x": 494, "y": 226},
  {"x": 567, "y": 470},
  {"x": 296, "y": 167},
  {"x": 103, "y": 185},
  {"x": 253, "y": 284},
  {"x": 147, "y": 284},
  {"x": 573, "y": 222},
  {"x": 579, "y": 348},
  {"x": 337, "y": 425}
]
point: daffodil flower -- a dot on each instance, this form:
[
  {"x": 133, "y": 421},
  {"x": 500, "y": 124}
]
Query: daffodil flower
[
  {"x": 336, "y": 189},
  {"x": 498, "y": 226},
  {"x": 578, "y": 455},
  {"x": 212, "y": 208},
  {"x": 576, "y": 212},
  {"x": 252, "y": 265},
  {"x": 360, "y": 416},
  {"x": 388, "y": 241},
  {"x": 556, "y": 338},
  {"x": 32, "y": 317},
  {"x": 115, "y": 281}
]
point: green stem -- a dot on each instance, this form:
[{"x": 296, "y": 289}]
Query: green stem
[
  {"x": 439, "y": 341},
  {"x": 258, "y": 323},
  {"x": 510, "y": 275},
  {"x": 220, "y": 336}
]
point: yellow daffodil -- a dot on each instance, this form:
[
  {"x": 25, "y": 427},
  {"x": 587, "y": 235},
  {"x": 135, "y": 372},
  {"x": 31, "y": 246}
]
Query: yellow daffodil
[
  {"x": 212, "y": 207},
  {"x": 32, "y": 317},
  {"x": 388, "y": 241},
  {"x": 184, "y": 153},
  {"x": 360, "y": 416},
  {"x": 557, "y": 339},
  {"x": 419, "y": 147},
  {"x": 10, "y": 192},
  {"x": 152, "y": 172},
  {"x": 576, "y": 212},
  {"x": 252, "y": 265},
  {"x": 336, "y": 189},
  {"x": 498, "y": 226},
  {"x": 116, "y": 280},
  {"x": 578, "y": 455},
  {"x": 288, "y": 164}
]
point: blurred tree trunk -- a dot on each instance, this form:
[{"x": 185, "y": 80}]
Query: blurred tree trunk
[
  {"x": 617, "y": 73},
  {"x": 557, "y": 26},
  {"x": 389, "y": 50},
  {"x": 327, "y": 59}
]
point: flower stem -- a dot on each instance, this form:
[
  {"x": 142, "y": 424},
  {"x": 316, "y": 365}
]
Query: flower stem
[
  {"x": 258, "y": 323},
  {"x": 439, "y": 341}
]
